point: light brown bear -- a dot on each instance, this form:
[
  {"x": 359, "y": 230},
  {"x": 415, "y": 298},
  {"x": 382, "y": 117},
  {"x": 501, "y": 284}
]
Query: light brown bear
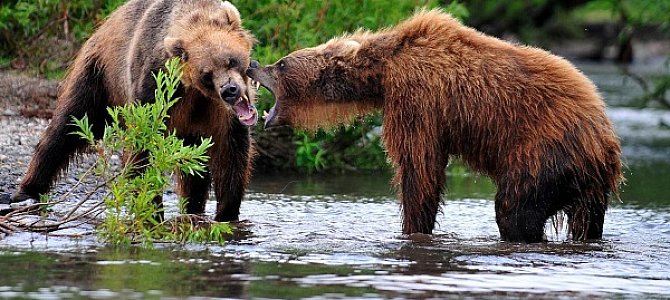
[
  {"x": 526, "y": 118},
  {"x": 115, "y": 66}
]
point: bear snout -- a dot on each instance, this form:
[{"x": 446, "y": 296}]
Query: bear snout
[
  {"x": 231, "y": 92},
  {"x": 263, "y": 77},
  {"x": 254, "y": 68}
]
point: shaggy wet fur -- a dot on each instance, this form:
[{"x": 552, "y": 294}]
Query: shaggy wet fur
[
  {"x": 526, "y": 118},
  {"x": 115, "y": 66}
]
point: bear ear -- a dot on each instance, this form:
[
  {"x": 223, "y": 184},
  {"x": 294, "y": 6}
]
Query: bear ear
[
  {"x": 232, "y": 14},
  {"x": 175, "y": 48}
]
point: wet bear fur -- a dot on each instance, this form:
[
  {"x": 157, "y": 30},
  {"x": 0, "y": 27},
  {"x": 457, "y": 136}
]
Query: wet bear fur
[
  {"x": 115, "y": 66},
  {"x": 528, "y": 119}
]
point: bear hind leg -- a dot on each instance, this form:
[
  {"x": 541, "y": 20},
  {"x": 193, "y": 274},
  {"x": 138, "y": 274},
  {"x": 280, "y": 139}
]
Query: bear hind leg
[
  {"x": 586, "y": 218},
  {"x": 83, "y": 93}
]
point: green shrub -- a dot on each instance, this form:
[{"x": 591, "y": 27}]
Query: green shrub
[
  {"x": 131, "y": 215},
  {"x": 43, "y": 35}
]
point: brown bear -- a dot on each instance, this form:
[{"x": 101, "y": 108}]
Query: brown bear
[
  {"x": 116, "y": 66},
  {"x": 526, "y": 118}
]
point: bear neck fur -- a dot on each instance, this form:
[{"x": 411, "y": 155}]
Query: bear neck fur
[{"x": 365, "y": 57}]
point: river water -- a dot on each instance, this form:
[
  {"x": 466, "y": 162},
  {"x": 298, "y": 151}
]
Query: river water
[{"x": 339, "y": 237}]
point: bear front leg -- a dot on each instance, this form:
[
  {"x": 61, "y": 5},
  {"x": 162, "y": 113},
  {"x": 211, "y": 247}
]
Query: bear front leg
[
  {"x": 419, "y": 153},
  {"x": 421, "y": 178},
  {"x": 195, "y": 189},
  {"x": 231, "y": 170},
  {"x": 138, "y": 164}
]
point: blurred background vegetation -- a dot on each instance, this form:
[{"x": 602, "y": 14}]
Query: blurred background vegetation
[{"x": 40, "y": 38}]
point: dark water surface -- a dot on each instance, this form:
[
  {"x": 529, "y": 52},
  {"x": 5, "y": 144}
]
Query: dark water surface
[{"x": 338, "y": 237}]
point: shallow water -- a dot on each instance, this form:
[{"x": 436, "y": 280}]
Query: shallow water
[
  {"x": 305, "y": 238},
  {"x": 338, "y": 237},
  {"x": 328, "y": 244}
]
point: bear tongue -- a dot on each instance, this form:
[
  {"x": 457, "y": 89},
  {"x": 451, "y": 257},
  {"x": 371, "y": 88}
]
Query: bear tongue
[{"x": 246, "y": 113}]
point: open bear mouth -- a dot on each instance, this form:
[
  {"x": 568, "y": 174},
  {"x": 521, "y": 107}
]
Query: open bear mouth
[
  {"x": 245, "y": 111},
  {"x": 268, "y": 116}
]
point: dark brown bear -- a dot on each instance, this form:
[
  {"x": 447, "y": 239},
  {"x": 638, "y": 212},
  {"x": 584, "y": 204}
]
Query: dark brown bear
[
  {"x": 115, "y": 66},
  {"x": 524, "y": 117}
]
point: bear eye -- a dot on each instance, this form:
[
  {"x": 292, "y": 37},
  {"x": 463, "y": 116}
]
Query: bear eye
[
  {"x": 207, "y": 79},
  {"x": 281, "y": 65},
  {"x": 233, "y": 63}
]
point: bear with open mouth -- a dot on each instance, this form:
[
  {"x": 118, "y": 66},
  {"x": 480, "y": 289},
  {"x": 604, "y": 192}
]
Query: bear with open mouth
[
  {"x": 528, "y": 119},
  {"x": 116, "y": 65}
]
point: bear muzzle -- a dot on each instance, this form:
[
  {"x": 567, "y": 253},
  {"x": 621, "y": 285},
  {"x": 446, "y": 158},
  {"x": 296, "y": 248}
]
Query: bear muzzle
[
  {"x": 246, "y": 112},
  {"x": 231, "y": 92}
]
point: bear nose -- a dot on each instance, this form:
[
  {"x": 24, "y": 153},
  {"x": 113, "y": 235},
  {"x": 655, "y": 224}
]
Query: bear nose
[
  {"x": 230, "y": 92},
  {"x": 254, "y": 64}
]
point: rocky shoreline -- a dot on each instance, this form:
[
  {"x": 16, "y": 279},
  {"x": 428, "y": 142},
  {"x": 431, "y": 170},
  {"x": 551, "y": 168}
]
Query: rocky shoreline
[{"x": 18, "y": 137}]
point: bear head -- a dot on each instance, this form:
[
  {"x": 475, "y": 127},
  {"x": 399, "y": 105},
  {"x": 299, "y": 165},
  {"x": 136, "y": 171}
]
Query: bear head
[
  {"x": 215, "y": 50},
  {"x": 322, "y": 86}
]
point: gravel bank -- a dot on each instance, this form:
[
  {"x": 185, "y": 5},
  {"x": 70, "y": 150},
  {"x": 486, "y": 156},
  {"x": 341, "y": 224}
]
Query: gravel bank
[{"x": 18, "y": 137}]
